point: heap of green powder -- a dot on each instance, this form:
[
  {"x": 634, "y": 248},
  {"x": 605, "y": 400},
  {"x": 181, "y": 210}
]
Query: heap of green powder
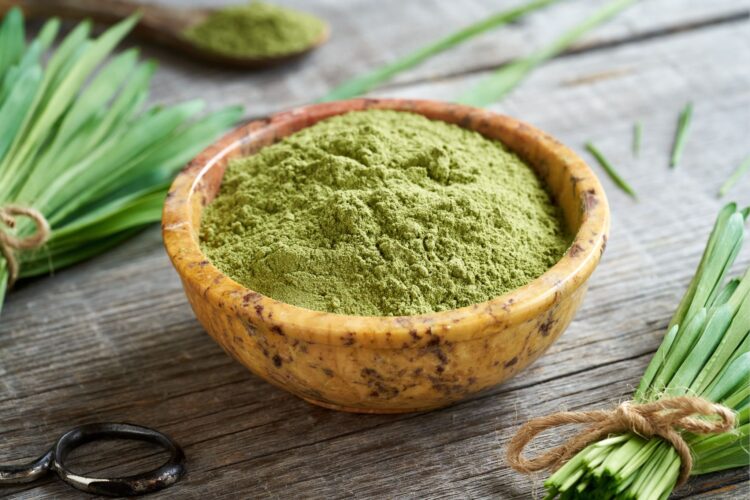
[
  {"x": 382, "y": 213},
  {"x": 257, "y": 30}
]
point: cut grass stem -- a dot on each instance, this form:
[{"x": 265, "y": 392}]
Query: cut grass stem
[
  {"x": 683, "y": 127},
  {"x": 610, "y": 170}
]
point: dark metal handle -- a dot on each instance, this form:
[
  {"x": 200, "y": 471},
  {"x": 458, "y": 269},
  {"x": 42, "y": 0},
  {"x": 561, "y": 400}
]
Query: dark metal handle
[
  {"x": 26, "y": 473},
  {"x": 166, "y": 475}
]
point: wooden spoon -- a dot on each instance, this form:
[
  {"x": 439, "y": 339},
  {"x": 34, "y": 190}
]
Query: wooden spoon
[{"x": 164, "y": 25}]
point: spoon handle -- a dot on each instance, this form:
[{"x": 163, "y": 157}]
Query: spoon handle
[{"x": 102, "y": 11}]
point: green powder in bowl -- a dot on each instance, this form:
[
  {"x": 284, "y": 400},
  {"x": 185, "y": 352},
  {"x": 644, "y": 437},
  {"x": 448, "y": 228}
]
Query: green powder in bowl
[
  {"x": 257, "y": 30},
  {"x": 382, "y": 213}
]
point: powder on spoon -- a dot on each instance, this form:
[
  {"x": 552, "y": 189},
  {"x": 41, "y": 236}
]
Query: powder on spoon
[
  {"x": 382, "y": 213},
  {"x": 257, "y": 30}
]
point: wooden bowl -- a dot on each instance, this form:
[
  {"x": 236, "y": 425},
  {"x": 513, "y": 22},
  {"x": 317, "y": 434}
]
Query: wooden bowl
[{"x": 388, "y": 364}]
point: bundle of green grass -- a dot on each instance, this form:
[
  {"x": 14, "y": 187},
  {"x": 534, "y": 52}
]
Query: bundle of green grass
[
  {"x": 705, "y": 354},
  {"x": 79, "y": 150}
]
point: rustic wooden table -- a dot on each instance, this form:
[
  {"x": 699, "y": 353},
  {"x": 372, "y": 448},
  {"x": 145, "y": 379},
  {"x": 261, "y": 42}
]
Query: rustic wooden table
[{"x": 114, "y": 338}]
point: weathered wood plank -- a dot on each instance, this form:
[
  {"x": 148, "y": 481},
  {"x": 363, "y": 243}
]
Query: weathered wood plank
[
  {"x": 367, "y": 34},
  {"x": 113, "y": 339}
]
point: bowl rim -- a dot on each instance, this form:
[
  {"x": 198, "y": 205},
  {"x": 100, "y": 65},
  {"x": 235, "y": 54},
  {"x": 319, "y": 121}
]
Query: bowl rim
[{"x": 465, "y": 323}]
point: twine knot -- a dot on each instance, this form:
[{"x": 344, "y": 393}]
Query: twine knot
[
  {"x": 10, "y": 243},
  {"x": 664, "y": 418}
]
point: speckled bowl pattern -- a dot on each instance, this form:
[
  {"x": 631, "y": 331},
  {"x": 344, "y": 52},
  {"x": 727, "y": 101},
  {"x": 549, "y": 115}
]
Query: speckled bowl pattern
[{"x": 388, "y": 364}]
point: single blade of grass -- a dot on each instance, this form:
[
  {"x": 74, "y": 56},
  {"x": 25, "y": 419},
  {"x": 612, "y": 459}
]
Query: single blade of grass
[
  {"x": 619, "y": 181},
  {"x": 11, "y": 39},
  {"x": 683, "y": 126},
  {"x": 733, "y": 374},
  {"x": 637, "y": 136},
  {"x": 656, "y": 365},
  {"x": 362, "y": 84},
  {"x": 736, "y": 175},
  {"x": 688, "y": 335},
  {"x": 505, "y": 79}
]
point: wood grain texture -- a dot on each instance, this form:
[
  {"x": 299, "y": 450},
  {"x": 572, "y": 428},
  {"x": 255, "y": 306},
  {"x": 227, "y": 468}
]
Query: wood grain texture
[
  {"x": 114, "y": 339},
  {"x": 367, "y": 33}
]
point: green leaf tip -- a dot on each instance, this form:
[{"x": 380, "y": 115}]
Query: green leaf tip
[
  {"x": 742, "y": 169},
  {"x": 683, "y": 126},
  {"x": 610, "y": 170}
]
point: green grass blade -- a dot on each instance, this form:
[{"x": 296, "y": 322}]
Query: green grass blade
[
  {"x": 46, "y": 261},
  {"x": 158, "y": 167},
  {"x": 140, "y": 211},
  {"x": 126, "y": 106},
  {"x": 656, "y": 365},
  {"x": 637, "y": 137},
  {"x": 610, "y": 170},
  {"x": 84, "y": 181},
  {"x": 85, "y": 106},
  {"x": 683, "y": 126},
  {"x": 717, "y": 233},
  {"x": 722, "y": 249},
  {"x": 694, "y": 362},
  {"x": 685, "y": 342},
  {"x": 81, "y": 121},
  {"x": 725, "y": 293},
  {"x": 741, "y": 170},
  {"x": 11, "y": 39},
  {"x": 734, "y": 374},
  {"x": 60, "y": 97},
  {"x": 69, "y": 46},
  {"x": 17, "y": 104},
  {"x": 731, "y": 339},
  {"x": 48, "y": 33},
  {"x": 505, "y": 79},
  {"x": 364, "y": 83},
  {"x": 80, "y": 227}
]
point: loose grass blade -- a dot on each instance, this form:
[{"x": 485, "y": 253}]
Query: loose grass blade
[
  {"x": 610, "y": 170},
  {"x": 362, "y": 84},
  {"x": 637, "y": 137},
  {"x": 683, "y": 126},
  {"x": 505, "y": 79},
  {"x": 741, "y": 170}
]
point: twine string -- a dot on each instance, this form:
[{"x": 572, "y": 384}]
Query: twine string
[
  {"x": 663, "y": 418},
  {"x": 10, "y": 244}
]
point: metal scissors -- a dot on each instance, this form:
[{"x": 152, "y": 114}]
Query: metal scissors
[{"x": 54, "y": 461}]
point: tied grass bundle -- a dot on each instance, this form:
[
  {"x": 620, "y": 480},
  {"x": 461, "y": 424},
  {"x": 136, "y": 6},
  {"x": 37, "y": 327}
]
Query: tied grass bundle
[
  {"x": 705, "y": 353},
  {"x": 78, "y": 147}
]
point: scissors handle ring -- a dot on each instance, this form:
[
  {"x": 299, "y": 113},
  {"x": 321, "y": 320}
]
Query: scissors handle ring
[{"x": 138, "y": 484}]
